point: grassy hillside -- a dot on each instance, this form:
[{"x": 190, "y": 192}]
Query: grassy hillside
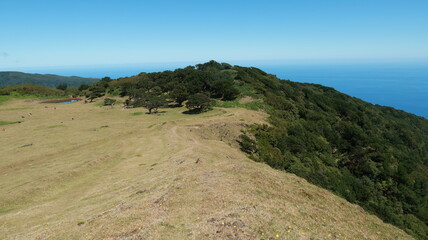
[
  {"x": 79, "y": 171},
  {"x": 49, "y": 80}
]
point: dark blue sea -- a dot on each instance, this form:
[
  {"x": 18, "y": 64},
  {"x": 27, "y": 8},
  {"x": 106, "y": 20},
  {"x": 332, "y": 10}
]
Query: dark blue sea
[{"x": 403, "y": 86}]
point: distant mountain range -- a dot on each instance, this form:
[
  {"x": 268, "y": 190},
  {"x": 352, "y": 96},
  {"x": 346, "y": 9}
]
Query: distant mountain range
[{"x": 49, "y": 80}]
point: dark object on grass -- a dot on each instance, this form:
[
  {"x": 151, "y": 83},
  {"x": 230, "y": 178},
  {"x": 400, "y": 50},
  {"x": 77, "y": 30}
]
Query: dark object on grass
[
  {"x": 27, "y": 145},
  {"x": 141, "y": 191}
]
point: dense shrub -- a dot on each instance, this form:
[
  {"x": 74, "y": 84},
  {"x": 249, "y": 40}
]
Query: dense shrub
[{"x": 109, "y": 101}]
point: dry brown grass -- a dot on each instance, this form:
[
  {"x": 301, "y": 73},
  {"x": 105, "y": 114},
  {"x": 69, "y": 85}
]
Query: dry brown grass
[
  {"x": 247, "y": 99},
  {"x": 107, "y": 174}
]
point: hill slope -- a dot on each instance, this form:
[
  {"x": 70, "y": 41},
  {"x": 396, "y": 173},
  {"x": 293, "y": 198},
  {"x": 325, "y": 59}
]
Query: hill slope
[
  {"x": 117, "y": 175},
  {"x": 48, "y": 80}
]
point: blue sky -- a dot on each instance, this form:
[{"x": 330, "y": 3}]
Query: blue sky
[{"x": 94, "y": 32}]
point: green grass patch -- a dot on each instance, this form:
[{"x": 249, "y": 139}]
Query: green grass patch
[
  {"x": 56, "y": 126},
  {"x": 17, "y": 95},
  {"x": 167, "y": 225},
  {"x": 7, "y": 122},
  {"x": 4, "y": 99},
  {"x": 248, "y": 90},
  {"x": 137, "y": 113},
  {"x": 14, "y": 95},
  {"x": 254, "y": 105},
  {"x": 13, "y": 109},
  {"x": 48, "y": 127},
  {"x": 6, "y": 210}
]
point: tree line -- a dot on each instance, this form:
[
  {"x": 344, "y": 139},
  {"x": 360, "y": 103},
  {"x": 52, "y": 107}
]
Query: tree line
[{"x": 195, "y": 85}]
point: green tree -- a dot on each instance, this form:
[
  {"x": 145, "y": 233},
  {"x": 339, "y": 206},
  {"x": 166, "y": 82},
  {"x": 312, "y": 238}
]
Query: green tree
[
  {"x": 72, "y": 91},
  {"x": 199, "y": 102},
  {"x": 83, "y": 87},
  {"x": 106, "y": 79},
  {"x": 95, "y": 91},
  {"x": 179, "y": 94},
  {"x": 62, "y": 86},
  {"x": 153, "y": 102}
]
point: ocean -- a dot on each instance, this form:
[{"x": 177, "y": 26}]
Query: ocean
[{"x": 403, "y": 86}]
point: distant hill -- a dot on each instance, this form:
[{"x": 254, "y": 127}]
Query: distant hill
[{"x": 48, "y": 80}]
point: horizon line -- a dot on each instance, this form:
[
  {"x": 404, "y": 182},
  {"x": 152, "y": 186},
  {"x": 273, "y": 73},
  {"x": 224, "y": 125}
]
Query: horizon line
[{"x": 254, "y": 61}]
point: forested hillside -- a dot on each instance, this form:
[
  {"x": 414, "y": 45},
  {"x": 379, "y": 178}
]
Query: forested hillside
[
  {"x": 48, "y": 80},
  {"x": 371, "y": 155}
]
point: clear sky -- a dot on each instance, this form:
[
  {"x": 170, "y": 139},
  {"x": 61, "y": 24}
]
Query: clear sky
[{"x": 88, "y": 32}]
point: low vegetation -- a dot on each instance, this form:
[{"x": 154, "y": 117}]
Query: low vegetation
[
  {"x": 8, "y": 122},
  {"x": 30, "y": 89},
  {"x": 109, "y": 102}
]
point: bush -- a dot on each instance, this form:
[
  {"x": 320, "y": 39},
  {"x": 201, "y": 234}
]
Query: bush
[
  {"x": 247, "y": 144},
  {"x": 109, "y": 102}
]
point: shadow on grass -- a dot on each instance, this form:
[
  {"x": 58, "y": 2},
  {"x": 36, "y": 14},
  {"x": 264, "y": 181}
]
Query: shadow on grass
[
  {"x": 175, "y": 105},
  {"x": 196, "y": 111},
  {"x": 157, "y": 112}
]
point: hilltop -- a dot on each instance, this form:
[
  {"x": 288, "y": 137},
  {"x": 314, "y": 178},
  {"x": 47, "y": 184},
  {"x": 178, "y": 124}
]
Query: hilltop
[
  {"x": 79, "y": 171},
  {"x": 49, "y": 80}
]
